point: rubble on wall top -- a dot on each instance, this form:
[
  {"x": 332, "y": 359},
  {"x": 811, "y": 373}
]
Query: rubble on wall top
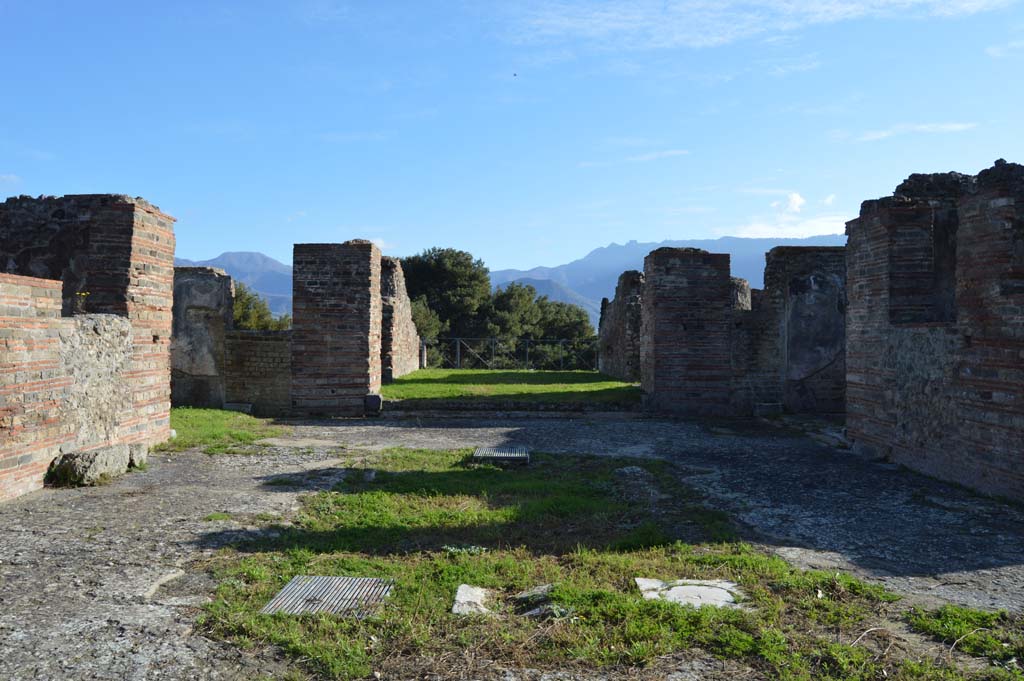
[
  {"x": 111, "y": 198},
  {"x": 1002, "y": 174},
  {"x": 935, "y": 185}
]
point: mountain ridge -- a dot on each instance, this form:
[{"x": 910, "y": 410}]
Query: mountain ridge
[{"x": 584, "y": 281}]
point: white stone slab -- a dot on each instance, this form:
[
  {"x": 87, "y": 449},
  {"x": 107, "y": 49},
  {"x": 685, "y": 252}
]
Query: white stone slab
[
  {"x": 471, "y": 600},
  {"x": 695, "y": 592}
]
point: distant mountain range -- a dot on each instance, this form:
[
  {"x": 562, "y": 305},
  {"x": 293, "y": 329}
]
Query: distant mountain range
[
  {"x": 593, "y": 276},
  {"x": 581, "y": 282},
  {"x": 261, "y": 273}
]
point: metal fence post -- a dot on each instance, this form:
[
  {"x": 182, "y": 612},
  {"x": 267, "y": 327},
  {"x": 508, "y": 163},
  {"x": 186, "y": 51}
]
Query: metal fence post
[{"x": 458, "y": 353}]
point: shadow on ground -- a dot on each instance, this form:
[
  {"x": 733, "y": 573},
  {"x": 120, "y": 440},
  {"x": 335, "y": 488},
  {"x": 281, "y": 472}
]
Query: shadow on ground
[{"x": 818, "y": 506}]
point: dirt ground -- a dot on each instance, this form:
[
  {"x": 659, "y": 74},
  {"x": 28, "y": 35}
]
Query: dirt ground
[{"x": 102, "y": 583}]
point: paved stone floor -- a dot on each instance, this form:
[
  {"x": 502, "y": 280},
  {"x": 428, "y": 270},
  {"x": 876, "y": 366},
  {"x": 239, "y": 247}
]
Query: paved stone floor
[{"x": 100, "y": 583}]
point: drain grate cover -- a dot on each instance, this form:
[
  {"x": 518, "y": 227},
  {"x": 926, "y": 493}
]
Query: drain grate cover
[
  {"x": 505, "y": 454},
  {"x": 356, "y": 596}
]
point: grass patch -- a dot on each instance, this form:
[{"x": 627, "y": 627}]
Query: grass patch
[
  {"x": 216, "y": 431},
  {"x": 217, "y": 516},
  {"x": 996, "y": 636},
  {"x": 432, "y": 520},
  {"x": 560, "y": 387}
]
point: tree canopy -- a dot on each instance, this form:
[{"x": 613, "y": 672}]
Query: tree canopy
[
  {"x": 451, "y": 296},
  {"x": 453, "y": 284},
  {"x": 252, "y": 312}
]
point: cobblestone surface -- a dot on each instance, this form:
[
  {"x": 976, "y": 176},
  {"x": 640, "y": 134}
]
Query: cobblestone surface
[{"x": 101, "y": 582}]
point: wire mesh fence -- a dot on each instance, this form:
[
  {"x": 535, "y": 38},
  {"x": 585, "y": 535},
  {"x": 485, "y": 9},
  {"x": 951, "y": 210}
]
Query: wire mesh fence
[{"x": 562, "y": 354}]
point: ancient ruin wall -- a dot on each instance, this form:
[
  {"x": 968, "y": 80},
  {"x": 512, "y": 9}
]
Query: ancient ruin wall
[
  {"x": 813, "y": 345},
  {"x": 113, "y": 255},
  {"x": 203, "y": 313},
  {"x": 685, "y": 353},
  {"x": 619, "y": 329},
  {"x": 934, "y": 371},
  {"x": 400, "y": 344},
  {"x": 740, "y": 293},
  {"x": 336, "y": 339},
  {"x": 258, "y": 370}
]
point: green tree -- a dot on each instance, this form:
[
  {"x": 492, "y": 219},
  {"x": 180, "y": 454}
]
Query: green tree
[
  {"x": 513, "y": 312},
  {"x": 454, "y": 284},
  {"x": 428, "y": 325},
  {"x": 252, "y": 312},
  {"x": 563, "y": 320}
]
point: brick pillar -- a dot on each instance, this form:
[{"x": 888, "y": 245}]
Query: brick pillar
[
  {"x": 687, "y": 314},
  {"x": 336, "y": 327}
]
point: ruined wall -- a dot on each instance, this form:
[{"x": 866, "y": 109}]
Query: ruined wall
[
  {"x": 400, "y": 344},
  {"x": 719, "y": 347},
  {"x": 336, "y": 327},
  {"x": 812, "y": 281},
  {"x": 619, "y": 329},
  {"x": 741, "y": 298},
  {"x": 113, "y": 255},
  {"x": 203, "y": 313},
  {"x": 685, "y": 353},
  {"x": 935, "y": 377},
  {"x": 33, "y": 384},
  {"x": 257, "y": 370},
  {"x": 62, "y": 388}
]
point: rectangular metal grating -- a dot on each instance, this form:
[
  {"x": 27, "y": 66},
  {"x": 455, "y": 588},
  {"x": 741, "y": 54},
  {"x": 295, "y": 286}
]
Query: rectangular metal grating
[
  {"x": 355, "y": 596},
  {"x": 503, "y": 454}
]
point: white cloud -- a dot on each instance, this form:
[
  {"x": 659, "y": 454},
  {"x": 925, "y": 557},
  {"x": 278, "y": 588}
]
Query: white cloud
[
  {"x": 657, "y": 155},
  {"x": 829, "y": 200},
  {"x": 383, "y": 244},
  {"x": 1006, "y": 49},
  {"x": 9, "y": 178},
  {"x": 297, "y": 215},
  {"x": 788, "y": 225},
  {"x": 660, "y": 24},
  {"x": 903, "y": 129},
  {"x": 794, "y": 202}
]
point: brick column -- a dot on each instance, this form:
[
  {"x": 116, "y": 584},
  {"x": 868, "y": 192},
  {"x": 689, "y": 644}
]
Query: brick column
[
  {"x": 336, "y": 327},
  {"x": 687, "y": 317}
]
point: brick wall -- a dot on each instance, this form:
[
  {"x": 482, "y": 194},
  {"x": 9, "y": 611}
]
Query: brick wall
[
  {"x": 33, "y": 384},
  {"x": 112, "y": 255},
  {"x": 400, "y": 344},
  {"x": 710, "y": 344},
  {"x": 203, "y": 313},
  {"x": 685, "y": 352},
  {"x": 336, "y": 338},
  {"x": 257, "y": 370},
  {"x": 935, "y": 380},
  {"x": 619, "y": 329}
]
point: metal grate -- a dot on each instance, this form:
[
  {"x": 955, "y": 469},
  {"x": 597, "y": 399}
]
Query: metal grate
[
  {"x": 356, "y": 596},
  {"x": 504, "y": 454}
]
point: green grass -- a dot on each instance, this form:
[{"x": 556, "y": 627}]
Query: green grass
[
  {"x": 578, "y": 387},
  {"x": 996, "y": 636},
  {"x": 217, "y": 516},
  {"x": 432, "y": 521},
  {"x": 216, "y": 431}
]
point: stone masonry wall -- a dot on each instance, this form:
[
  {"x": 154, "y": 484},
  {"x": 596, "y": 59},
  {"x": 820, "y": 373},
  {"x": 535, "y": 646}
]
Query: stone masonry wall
[
  {"x": 619, "y": 329},
  {"x": 112, "y": 255},
  {"x": 400, "y": 344},
  {"x": 710, "y": 344},
  {"x": 203, "y": 313},
  {"x": 685, "y": 354},
  {"x": 257, "y": 370},
  {"x": 935, "y": 367},
  {"x": 813, "y": 358},
  {"x": 336, "y": 338}
]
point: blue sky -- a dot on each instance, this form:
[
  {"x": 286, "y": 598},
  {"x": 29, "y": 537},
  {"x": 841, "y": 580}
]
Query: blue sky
[{"x": 527, "y": 133}]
